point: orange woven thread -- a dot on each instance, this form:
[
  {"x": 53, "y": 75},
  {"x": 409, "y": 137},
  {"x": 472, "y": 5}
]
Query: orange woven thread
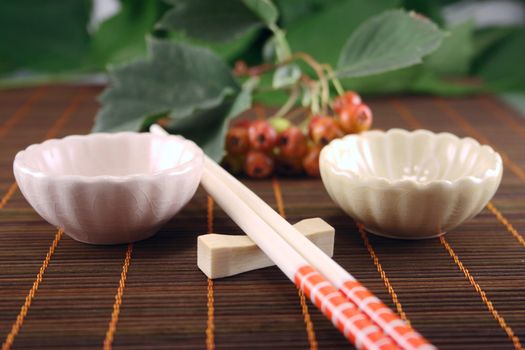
[
  {"x": 278, "y": 197},
  {"x": 307, "y": 320},
  {"x": 503, "y": 220},
  {"x": 210, "y": 323},
  {"x": 413, "y": 122},
  {"x": 515, "y": 168},
  {"x": 405, "y": 113},
  {"x": 21, "y": 111},
  {"x": 10, "y": 191},
  {"x": 31, "y": 295},
  {"x": 312, "y": 340},
  {"x": 456, "y": 117},
  {"x": 68, "y": 112},
  {"x": 9, "y": 123},
  {"x": 55, "y": 128},
  {"x": 59, "y": 123},
  {"x": 382, "y": 273},
  {"x": 501, "y": 321},
  {"x": 501, "y": 114},
  {"x": 112, "y": 328}
]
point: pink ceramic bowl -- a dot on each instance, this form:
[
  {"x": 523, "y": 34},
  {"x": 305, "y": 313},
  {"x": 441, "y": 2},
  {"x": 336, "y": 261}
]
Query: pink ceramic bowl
[{"x": 109, "y": 188}]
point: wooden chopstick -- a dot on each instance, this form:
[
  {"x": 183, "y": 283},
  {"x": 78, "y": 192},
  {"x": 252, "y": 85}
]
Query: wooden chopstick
[
  {"x": 404, "y": 335},
  {"x": 350, "y": 321},
  {"x": 280, "y": 229}
]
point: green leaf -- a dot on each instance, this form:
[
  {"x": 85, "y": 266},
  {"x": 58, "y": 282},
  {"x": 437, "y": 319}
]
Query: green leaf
[
  {"x": 388, "y": 82},
  {"x": 208, "y": 127},
  {"x": 486, "y": 39},
  {"x": 455, "y": 54},
  {"x": 269, "y": 50},
  {"x": 392, "y": 40},
  {"x": 265, "y": 9},
  {"x": 322, "y": 33},
  {"x": 210, "y": 20},
  {"x": 429, "y": 83},
  {"x": 273, "y": 98},
  {"x": 227, "y": 50},
  {"x": 502, "y": 70},
  {"x": 414, "y": 79},
  {"x": 176, "y": 79},
  {"x": 11, "y": 81},
  {"x": 244, "y": 99},
  {"x": 266, "y": 95},
  {"x": 43, "y": 35},
  {"x": 286, "y": 76},
  {"x": 276, "y": 48},
  {"x": 121, "y": 38},
  {"x": 430, "y": 9},
  {"x": 293, "y": 10}
]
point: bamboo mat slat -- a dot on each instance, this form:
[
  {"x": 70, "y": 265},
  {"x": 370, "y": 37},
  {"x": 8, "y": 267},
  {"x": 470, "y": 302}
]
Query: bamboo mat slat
[{"x": 466, "y": 291}]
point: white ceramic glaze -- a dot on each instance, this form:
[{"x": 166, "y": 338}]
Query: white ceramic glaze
[
  {"x": 109, "y": 188},
  {"x": 410, "y": 185}
]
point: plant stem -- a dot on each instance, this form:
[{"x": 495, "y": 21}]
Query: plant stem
[
  {"x": 304, "y": 123},
  {"x": 296, "y": 113},
  {"x": 280, "y": 40},
  {"x": 318, "y": 68},
  {"x": 314, "y": 92},
  {"x": 290, "y": 103},
  {"x": 332, "y": 76}
]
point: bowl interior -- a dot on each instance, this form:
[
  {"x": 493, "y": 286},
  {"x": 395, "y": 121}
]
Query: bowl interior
[
  {"x": 121, "y": 154},
  {"x": 420, "y": 156}
]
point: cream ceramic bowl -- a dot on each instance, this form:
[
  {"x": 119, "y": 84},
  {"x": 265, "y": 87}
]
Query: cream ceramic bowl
[
  {"x": 109, "y": 188},
  {"x": 410, "y": 185}
]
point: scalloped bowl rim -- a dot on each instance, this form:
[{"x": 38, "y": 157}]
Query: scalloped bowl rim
[
  {"x": 21, "y": 163},
  {"x": 380, "y": 181}
]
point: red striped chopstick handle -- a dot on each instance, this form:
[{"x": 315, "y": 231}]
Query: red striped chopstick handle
[
  {"x": 404, "y": 335},
  {"x": 350, "y": 321}
]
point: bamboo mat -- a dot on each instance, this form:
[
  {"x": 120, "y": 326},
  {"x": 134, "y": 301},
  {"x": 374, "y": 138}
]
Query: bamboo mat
[{"x": 463, "y": 291}]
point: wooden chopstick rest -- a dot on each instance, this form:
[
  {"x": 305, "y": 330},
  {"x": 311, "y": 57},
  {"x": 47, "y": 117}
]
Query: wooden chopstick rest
[{"x": 227, "y": 255}]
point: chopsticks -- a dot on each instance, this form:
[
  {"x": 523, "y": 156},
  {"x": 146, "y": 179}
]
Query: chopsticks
[
  {"x": 404, "y": 335},
  {"x": 354, "y": 325},
  {"x": 348, "y": 304}
]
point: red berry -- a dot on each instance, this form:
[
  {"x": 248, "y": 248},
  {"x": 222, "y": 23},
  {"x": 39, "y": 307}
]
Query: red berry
[
  {"x": 346, "y": 119},
  {"x": 325, "y": 130},
  {"x": 258, "y": 164},
  {"x": 363, "y": 118},
  {"x": 292, "y": 143},
  {"x": 311, "y": 161},
  {"x": 262, "y": 136},
  {"x": 354, "y": 119},
  {"x": 312, "y": 122},
  {"x": 289, "y": 166},
  {"x": 237, "y": 141},
  {"x": 349, "y": 98}
]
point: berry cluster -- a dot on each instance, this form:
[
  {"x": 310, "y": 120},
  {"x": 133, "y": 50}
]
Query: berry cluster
[{"x": 261, "y": 147}]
